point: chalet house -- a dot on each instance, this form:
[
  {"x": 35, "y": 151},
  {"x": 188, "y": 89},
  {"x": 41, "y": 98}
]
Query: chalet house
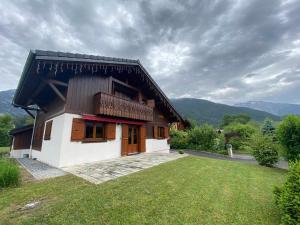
[{"x": 89, "y": 108}]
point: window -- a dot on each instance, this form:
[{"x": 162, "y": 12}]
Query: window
[
  {"x": 161, "y": 132},
  {"x": 94, "y": 130},
  {"x": 48, "y": 129}
]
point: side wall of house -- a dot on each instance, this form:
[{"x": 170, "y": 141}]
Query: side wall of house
[{"x": 51, "y": 149}]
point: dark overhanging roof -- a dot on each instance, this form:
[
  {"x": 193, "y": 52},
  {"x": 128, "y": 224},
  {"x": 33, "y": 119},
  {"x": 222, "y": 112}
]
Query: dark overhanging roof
[
  {"x": 71, "y": 57},
  {"x": 21, "y": 129}
]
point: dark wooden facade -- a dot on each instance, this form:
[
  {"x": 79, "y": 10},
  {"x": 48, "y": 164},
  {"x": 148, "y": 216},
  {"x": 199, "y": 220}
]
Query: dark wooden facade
[{"x": 22, "y": 137}]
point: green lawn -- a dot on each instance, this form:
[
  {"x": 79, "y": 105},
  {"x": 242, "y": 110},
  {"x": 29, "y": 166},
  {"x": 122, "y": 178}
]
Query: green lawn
[
  {"x": 191, "y": 190},
  {"x": 4, "y": 150}
]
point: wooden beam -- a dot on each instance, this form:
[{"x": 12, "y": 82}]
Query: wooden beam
[
  {"x": 30, "y": 114},
  {"x": 35, "y": 93},
  {"x": 124, "y": 84},
  {"x": 60, "y": 95},
  {"x": 57, "y": 82}
]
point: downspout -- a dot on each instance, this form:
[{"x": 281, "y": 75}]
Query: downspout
[{"x": 32, "y": 136}]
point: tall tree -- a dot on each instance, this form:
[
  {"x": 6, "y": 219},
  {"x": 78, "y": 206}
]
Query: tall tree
[{"x": 268, "y": 127}]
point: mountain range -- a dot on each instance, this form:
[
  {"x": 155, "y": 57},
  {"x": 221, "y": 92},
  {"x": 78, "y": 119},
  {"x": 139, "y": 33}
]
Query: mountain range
[
  {"x": 279, "y": 109},
  {"x": 6, "y": 106},
  {"x": 204, "y": 111}
]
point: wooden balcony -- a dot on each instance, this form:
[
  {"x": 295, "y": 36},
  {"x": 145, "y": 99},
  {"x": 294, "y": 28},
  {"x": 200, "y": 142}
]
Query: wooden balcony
[{"x": 106, "y": 104}]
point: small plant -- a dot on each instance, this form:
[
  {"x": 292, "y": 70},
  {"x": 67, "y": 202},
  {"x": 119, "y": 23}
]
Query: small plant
[
  {"x": 264, "y": 150},
  {"x": 287, "y": 197},
  {"x": 9, "y": 173},
  {"x": 181, "y": 152}
]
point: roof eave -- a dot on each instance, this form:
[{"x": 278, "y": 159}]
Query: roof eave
[{"x": 24, "y": 74}]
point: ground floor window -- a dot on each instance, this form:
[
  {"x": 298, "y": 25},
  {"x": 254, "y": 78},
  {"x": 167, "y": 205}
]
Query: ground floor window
[{"x": 94, "y": 130}]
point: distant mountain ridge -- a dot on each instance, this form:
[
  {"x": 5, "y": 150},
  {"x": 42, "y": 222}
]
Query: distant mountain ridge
[
  {"x": 6, "y": 106},
  {"x": 204, "y": 111},
  {"x": 279, "y": 109}
]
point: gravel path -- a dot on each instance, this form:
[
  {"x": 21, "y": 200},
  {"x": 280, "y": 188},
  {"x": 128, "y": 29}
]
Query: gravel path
[{"x": 40, "y": 170}]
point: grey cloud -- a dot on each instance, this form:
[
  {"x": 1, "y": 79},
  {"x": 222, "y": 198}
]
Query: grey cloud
[{"x": 226, "y": 51}]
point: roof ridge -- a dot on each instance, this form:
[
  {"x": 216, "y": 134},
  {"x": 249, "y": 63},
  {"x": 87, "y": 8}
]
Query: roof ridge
[{"x": 78, "y": 55}]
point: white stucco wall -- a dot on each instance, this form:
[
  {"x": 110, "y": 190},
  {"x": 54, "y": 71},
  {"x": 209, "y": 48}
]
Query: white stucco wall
[
  {"x": 157, "y": 145},
  {"x": 60, "y": 151},
  {"x": 18, "y": 153},
  {"x": 51, "y": 149},
  {"x": 77, "y": 152}
]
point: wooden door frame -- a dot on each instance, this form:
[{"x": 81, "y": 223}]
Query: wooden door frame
[{"x": 124, "y": 142}]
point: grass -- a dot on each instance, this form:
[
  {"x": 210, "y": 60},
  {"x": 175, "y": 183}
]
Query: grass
[
  {"x": 190, "y": 190},
  {"x": 4, "y": 151},
  {"x": 9, "y": 173}
]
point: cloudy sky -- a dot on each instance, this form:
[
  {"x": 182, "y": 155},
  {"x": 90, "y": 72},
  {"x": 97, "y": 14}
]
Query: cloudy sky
[{"x": 225, "y": 51}]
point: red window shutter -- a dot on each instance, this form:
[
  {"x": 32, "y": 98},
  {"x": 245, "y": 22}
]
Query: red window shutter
[
  {"x": 124, "y": 139},
  {"x": 155, "y": 130},
  {"x": 48, "y": 129},
  {"x": 142, "y": 138},
  {"x": 110, "y": 131},
  {"x": 78, "y": 128},
  {"x": 166, "y": 133}
]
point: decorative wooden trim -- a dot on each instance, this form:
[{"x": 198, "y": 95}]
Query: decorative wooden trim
[{"x": 110, "y": 105}]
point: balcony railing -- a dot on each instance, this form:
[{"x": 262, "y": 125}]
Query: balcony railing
[{"x": 105, "y": 104}]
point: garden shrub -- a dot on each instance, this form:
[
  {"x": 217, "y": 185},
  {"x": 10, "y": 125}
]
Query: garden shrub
[
  {"x": 288, "y": 134},
  {"x": 264, "y": 150},
  {"x": 287, "y": 197},
  {"x": 178, "y": 139},
  {"x": 244, "y": 131},
  {"x": 202, "y": 137},
  {"x": 9, "y": 173},
  {"x": 219, "y": 144}
]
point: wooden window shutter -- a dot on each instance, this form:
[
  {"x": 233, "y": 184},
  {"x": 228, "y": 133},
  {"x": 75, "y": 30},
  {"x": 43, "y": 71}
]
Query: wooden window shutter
[
  {"x": 78, "y": 129},
  {"x": 142, "y": 138},
  {"x": 48, "y": 129},
  {"x": 155, "y": 130},
  {"x": 124, "y": 139},
  {"x": 110, "y": 131},
  {"x": 166, "y": 132}
]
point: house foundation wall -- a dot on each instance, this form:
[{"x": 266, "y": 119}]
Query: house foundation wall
[{"x": 157, "y": 145}]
